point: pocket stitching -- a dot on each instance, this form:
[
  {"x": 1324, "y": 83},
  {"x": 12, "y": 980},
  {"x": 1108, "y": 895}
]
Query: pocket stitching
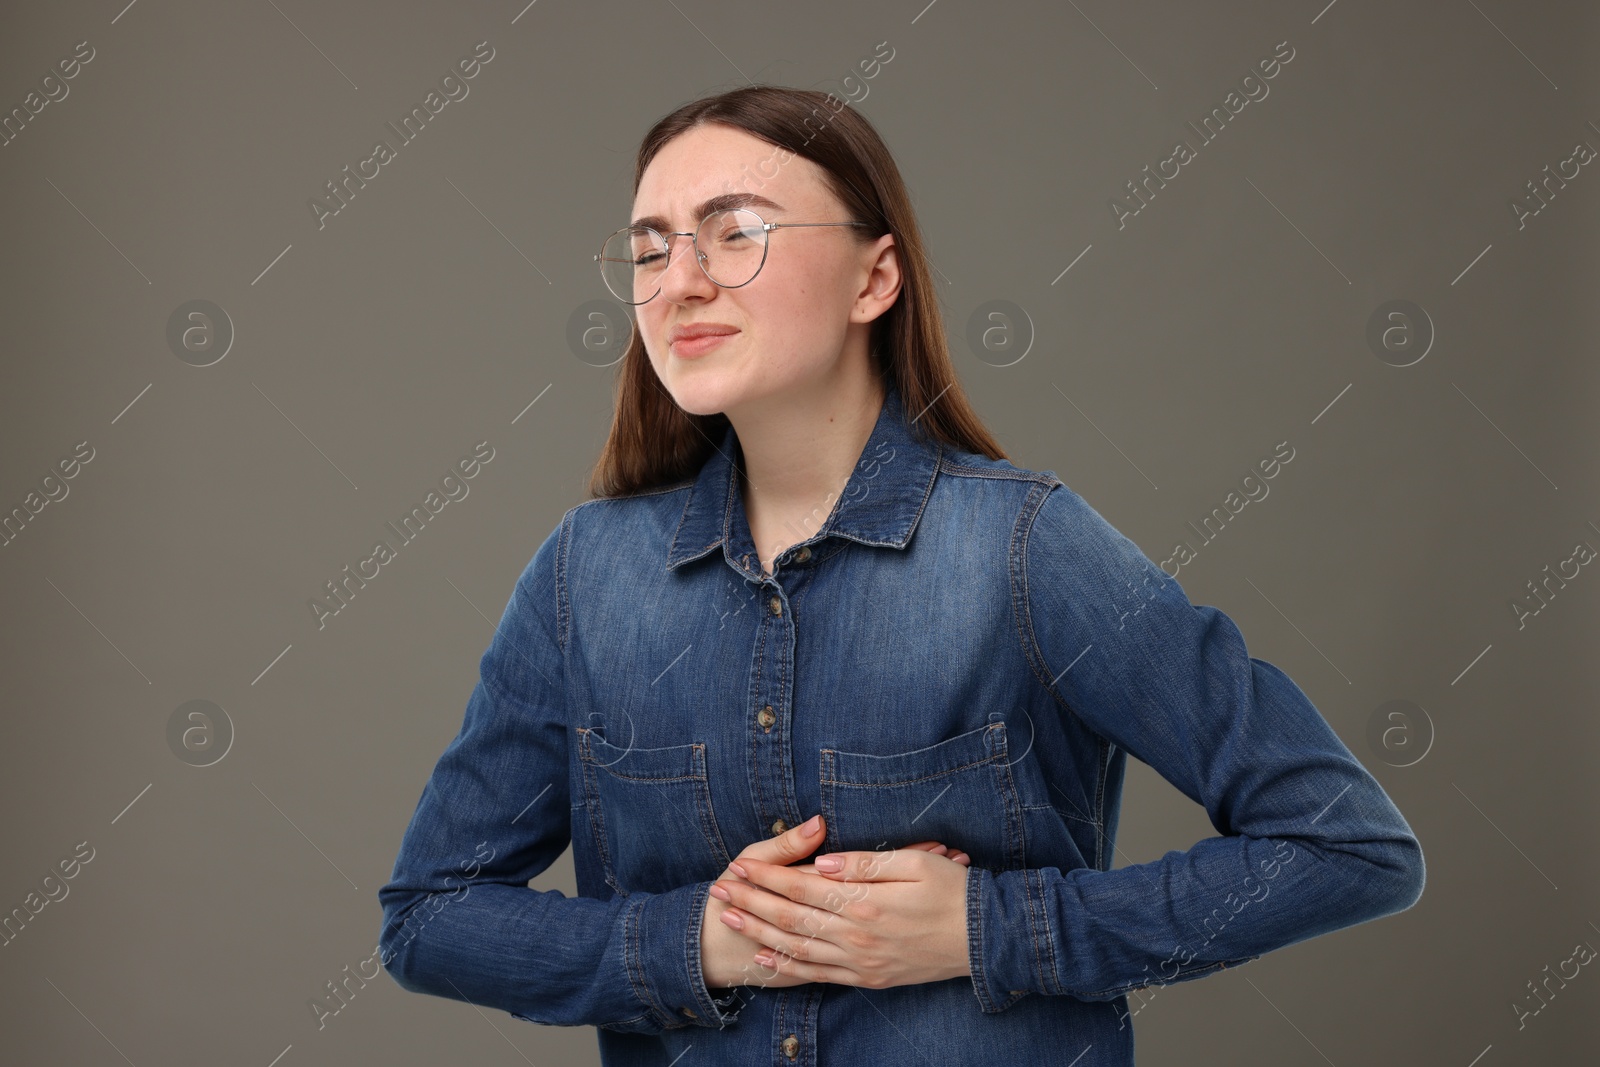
[
  {"x": 700, "y": 784},
  {"x": 829, "y": 758},
  {"x": 597, "y": 821},
  {"x": 1013, "y": 847}
]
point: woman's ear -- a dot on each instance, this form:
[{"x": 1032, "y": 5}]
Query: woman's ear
[{"x": 883, "y": 280}]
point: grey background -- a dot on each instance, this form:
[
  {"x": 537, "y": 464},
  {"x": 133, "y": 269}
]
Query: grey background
[{"x": 372, "y": 353}]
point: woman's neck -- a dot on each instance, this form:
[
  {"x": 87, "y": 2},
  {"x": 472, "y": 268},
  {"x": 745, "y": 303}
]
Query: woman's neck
[{"x": 798, "y": 460}]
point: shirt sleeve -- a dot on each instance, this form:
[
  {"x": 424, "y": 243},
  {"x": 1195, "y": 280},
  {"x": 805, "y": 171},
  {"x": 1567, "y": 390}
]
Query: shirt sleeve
[
  {"x": 1308, "y": 842},
  {"x": 460, "y": 919}
]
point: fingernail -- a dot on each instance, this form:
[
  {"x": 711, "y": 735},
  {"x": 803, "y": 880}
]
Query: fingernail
[
  {"x": 809, "y": 827},
  {"x": 720, "y": 893},
  {"x": 941, "y": 849},
  {"x": 829, "y": 863},
  {"x": 733, "y": 920},
  {"x": 740, "y": 871},
  {"x": 764, "y": 960}
]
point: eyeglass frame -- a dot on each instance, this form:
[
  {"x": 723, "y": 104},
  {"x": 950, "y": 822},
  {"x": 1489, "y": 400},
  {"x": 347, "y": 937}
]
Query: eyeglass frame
[{"x": 699, "y": 257}]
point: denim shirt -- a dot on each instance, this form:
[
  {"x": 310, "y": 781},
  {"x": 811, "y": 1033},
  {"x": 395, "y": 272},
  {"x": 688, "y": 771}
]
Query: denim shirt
[{"x": 966, "y": 651}]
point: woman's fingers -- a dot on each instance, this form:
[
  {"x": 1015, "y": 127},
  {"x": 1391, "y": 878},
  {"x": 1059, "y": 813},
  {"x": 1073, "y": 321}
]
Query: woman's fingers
[
  {"x": 804, "y": 944},
  {"x": 798, "y": 842},
  {"x": 795, "y": 843},
  {"x": 944, "y": 850}
]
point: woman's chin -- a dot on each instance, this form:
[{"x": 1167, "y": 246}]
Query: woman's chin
[{"x": 699, "y": 393}]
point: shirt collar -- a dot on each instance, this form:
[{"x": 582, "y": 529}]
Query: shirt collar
[{"x": 880, "y": 505}]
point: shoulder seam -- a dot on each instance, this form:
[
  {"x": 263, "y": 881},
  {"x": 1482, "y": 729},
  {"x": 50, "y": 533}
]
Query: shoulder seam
[
  {"x": 563, "y": 542},
  {"x": 1024, "y": 616},
  {"x": 1016, "y": 474},
  {"x": 658, "y": 491}
]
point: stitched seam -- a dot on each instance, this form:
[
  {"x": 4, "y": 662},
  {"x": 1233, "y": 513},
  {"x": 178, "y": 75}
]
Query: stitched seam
[
  {"x": 975, "y": 951},
  {"x": 1049, "y": 936},
  {"x": 727, "y": 507},
  {"x": 755, "y": 684},
  {"x": 708, "y": 815},
  {"x": 817, "y": 556},
  {"x": 927, "y": 492},
  {"x": 751, "y": 743},
  {"x": 784, "y": 656},
  {"x": 635, "y": 963},
  {"x": 597, "y": 823},
  {"x": 1058, "y": 811},
  {"x": 830, "y": 838},
  {"x": 1034, "y": 940},
  {"x": 672, "y": 548},
  {"x": 686, "y": 483},
  {"x": 1011, "y": 799},
  {"x": 563, "y": 617},
  {"x": 1029, "y": 639},
  {"x": 906, "y": 781},
  {"x": 1101, "y": 834},
  {"x": 691, "y": 944},
  {"x": 1016, "y": 474}
]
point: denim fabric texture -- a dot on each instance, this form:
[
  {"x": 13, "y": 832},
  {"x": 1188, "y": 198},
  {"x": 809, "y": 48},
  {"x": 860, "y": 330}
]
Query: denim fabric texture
[{"x": 966, "y": 651}]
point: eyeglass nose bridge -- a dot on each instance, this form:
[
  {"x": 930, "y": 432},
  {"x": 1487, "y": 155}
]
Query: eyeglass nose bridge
[{"x": 694, "y": 242}]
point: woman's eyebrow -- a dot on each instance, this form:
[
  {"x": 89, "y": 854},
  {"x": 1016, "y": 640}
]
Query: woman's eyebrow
[{"x": 716, "y": 203}]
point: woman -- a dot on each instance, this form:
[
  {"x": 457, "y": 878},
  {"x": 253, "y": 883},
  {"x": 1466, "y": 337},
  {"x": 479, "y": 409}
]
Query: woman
[{"x": 810, "y": 584}]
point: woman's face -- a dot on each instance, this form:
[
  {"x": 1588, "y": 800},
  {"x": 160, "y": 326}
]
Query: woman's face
[{"x": 794, "y": 319}]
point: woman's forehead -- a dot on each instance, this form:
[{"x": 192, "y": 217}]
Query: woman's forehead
[{"x": 705, "y": 169}]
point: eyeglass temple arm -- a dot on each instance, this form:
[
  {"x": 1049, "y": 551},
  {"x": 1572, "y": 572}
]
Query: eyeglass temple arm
[
  {"x": 786, "y": 225},
  {"x": 764, "y": 225}
]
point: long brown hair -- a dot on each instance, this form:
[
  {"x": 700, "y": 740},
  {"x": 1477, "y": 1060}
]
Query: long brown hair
[{"x": 654, "y": 442}]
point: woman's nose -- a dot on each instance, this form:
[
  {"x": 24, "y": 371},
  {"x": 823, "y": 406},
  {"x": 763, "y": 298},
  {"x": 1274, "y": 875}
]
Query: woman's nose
[{"x": 683, "y": 276}]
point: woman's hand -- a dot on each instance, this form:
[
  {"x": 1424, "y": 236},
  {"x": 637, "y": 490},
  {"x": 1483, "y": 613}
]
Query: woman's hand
[
  {"x": 884, "y": 919},
  {"x": 727, "y": 954}
]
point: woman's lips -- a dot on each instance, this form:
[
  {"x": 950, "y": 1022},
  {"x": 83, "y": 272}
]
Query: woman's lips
[{"x": 690, "y": 347}]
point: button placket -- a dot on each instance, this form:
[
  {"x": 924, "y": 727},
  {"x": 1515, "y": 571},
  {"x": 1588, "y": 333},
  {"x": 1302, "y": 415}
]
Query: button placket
[{"x": 772, "y": 672}]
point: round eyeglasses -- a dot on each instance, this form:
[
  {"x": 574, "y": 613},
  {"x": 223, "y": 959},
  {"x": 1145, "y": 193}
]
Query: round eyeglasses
[{"x": 730, "y": 245}]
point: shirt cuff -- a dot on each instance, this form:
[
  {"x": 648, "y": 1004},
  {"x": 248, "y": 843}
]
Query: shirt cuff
[
  {"x": 663, "y": 953},
  {"x": 1000, "y": 942}
]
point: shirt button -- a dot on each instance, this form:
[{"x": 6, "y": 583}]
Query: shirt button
[
  {"x": 779, "y": 827},
  {"x": 690, "y": 1014},
  {"x": 803, "y": 555},
  {"x": 766, "y": 718},
  {"x": 776, "y": 605},
  {"x": 790, "y": 1046}
]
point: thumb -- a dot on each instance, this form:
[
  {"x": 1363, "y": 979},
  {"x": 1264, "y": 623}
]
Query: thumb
[{"x": 795, "y": 843}]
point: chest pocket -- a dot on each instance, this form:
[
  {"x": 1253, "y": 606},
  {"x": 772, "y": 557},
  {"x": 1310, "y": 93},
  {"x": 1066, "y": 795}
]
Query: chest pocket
[
  {"x": 959, "y": 791},
  {"x": 650, "y": 813}
]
